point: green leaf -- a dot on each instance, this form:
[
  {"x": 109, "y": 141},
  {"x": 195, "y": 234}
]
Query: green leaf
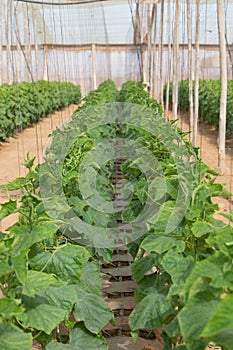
[
  {"x": 177, "y": 266},
  {"x": 25, "y": 238},
  {"x": 13, "y": 338},
  {"x": 228, "y": 216},
  {"x": 157, "y": 189},
  {"x": 105, "y": 253},
  {"x": 180, "y": 246},
  {"x": 160, "y": 220},
  {"x": 150, "y": 313},
  {"x": 91, "y": 278},
  {"x": 85, "y": 340},
  {"x": 59, "y": 346},
  {"x": 16, "y": 184},
  {"x": 193, "y": 214},
  {"x": 37, "y": 281},
  {"x": 80, "y": 339},
  {"x": 193, "y": 319},
  {"x": 210, "y": 269},
  {"x": 200, "y": 228},
  {"x": 158, "y": 244},
  {"x": 63, "y": 297},
  {"x": 141, "y": 190},
  {"x": 173, "y": 328},
  {"x": 9, "y": 308},
  {"x": 152, "y": 284},
  {"x": 220, "y": 325},
  {"x": 93, "y": 310},
  {"x": 5, "y": 269},
  {"x": 20, "y": 265},
  {"x": 141, "y": 266},
  {"x": 7, "y": 209},
  {"x": 43, "y": 317},
  {"x": 65, "y": 262}
]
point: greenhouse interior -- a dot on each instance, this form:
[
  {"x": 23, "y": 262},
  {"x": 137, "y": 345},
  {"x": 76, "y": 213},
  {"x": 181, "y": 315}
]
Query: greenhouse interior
[{"x": 116, "y": 174}]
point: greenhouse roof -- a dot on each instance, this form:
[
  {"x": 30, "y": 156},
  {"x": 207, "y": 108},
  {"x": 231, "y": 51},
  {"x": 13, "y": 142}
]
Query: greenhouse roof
[{"x": 106, "y": 22}]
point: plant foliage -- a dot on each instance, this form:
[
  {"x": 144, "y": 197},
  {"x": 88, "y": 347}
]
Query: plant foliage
[
  {"x": 209, "y": 101},
  {"x": 22, "y": 104}
]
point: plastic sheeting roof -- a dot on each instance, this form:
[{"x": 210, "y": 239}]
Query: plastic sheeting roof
[{"x": 109, "y": 22}]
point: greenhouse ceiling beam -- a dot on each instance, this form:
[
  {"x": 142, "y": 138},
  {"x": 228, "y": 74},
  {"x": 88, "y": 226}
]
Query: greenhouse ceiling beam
[{"x": 61, "y": 3}]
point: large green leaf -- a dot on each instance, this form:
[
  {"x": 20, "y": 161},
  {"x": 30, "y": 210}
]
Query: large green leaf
[
  {"x": 90, "y": 278},
  {"x": 150, "y": 313},
  {"x": 143, "y": 265},
  {"x": 160, "y": 220},
  {"x": 10, "y": 307},
  {"x": 80, "y": 339},
  {"x": 93, "y": 311},
  {"x": 210, "y": 269},
  {"x": 155, "y": 283},
  {"x": 65, "y": 262},
  {"x": 25, "y": 238},
  {"x": 220, "y": 325},
  {"x": 158, "y": 244},
  {"x": 193, "y": 319},
  {"x": 13, "y": 338},
  {"x": 37, "y": 281},
  {"x": 222, "y": 240},
  {"x": 63, "y": 297},
  {"x": 177, "y": 266},
  {"x": 43, "y": 317}
]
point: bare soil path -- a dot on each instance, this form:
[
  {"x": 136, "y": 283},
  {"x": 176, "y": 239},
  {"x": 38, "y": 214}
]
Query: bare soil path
[{"x": 34, "y": 140}]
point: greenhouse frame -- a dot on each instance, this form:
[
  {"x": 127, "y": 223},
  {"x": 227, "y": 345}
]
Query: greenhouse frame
[{"x": 116, "y": 174}]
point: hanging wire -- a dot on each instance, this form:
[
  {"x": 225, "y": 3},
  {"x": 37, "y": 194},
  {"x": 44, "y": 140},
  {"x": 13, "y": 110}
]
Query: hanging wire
[
  {"x": 29, "y": 59},
  {"x": 107, "y": 52},
  {"x": 17, "y": 35},
  {"x": 138, "y": 51},
  {"x": 231, "y": 126},
  {"x": 74, "y": 77},
  {"x": 183, "y": 61},
  {"x": 203, "y": 77},
  {"x": 20, "y": 141}
]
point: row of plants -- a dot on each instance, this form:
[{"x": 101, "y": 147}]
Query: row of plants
[
  {"x": 184, "y": 275},
  {"x": 50, "y": 277},
  {"x": 209, "y": 101},
  {"x": 22, "y": 104},
  {"x": 134, "y": 92},
  {"x": 50, "y": 284}
]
